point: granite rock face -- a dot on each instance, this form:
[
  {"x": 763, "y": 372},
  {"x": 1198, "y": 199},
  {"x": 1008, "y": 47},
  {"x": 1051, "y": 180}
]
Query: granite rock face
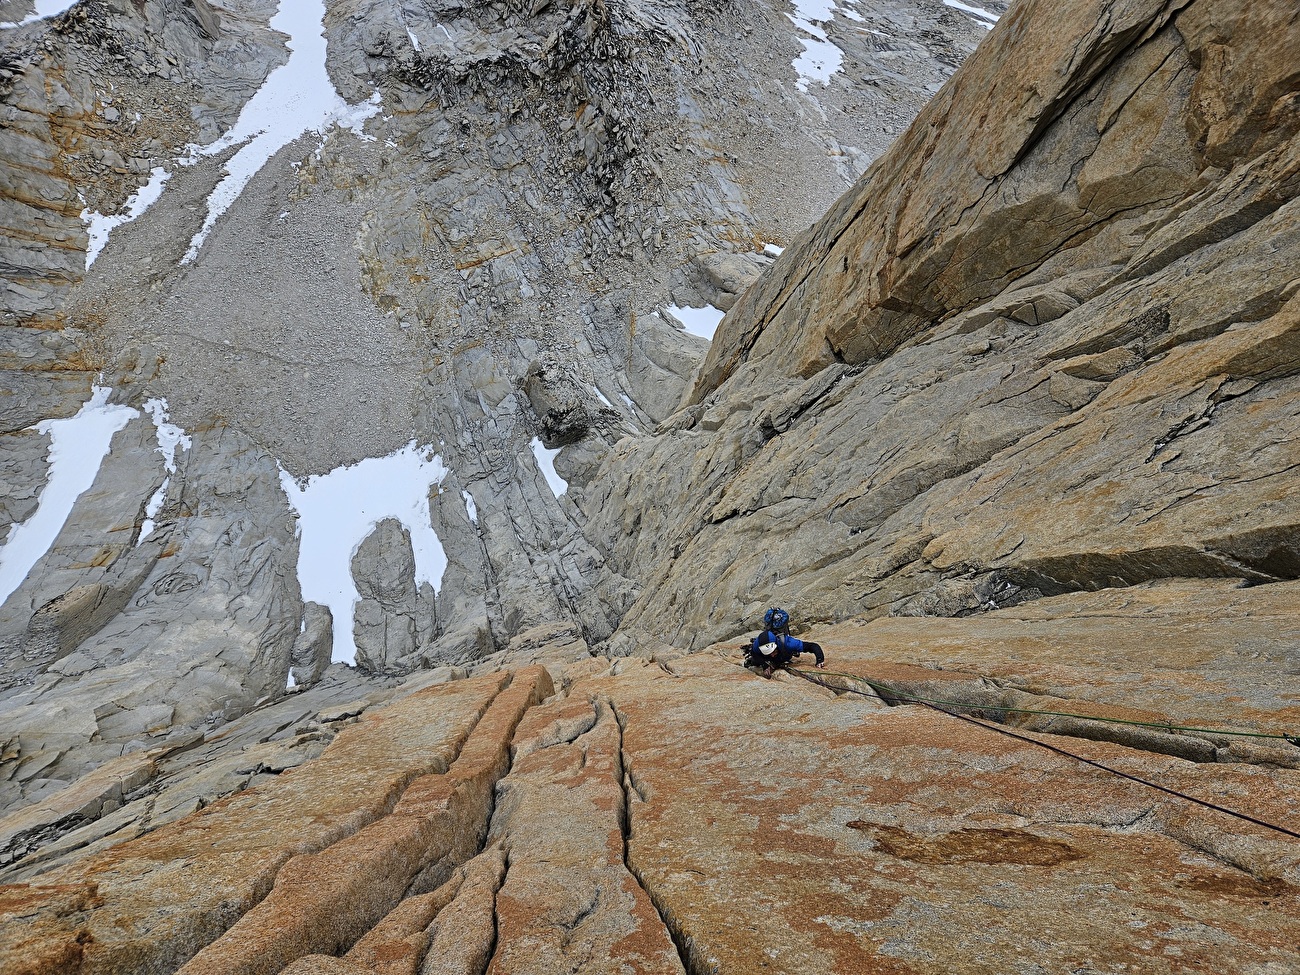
[
  {"x": 188, "y": 627},
  {"x": 1013, "y": 430},
  {"x": 684, "y": 815},
  {"x": 532, "y": 186},
  {"x": 1060, "y": 313},
  {"x": 391, "y": 614}
]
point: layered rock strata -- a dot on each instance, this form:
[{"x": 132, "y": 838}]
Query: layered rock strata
[
  {"x": 530, "y": 188},
  {"x": 1046, "y": 345}
]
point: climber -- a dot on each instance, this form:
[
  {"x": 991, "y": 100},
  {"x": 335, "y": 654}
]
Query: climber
[{"x": 775, "y": 647}]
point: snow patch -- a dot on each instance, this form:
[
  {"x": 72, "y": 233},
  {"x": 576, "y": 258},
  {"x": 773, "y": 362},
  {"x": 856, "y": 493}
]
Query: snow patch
[
  {"x": 471, "y": 508},
  {"x": 338, "y": 511},
  {"x": 697, "y": 321},
  {"x": 296, "y": 98},
  {"x": 979, "y": 13},
  {"x": 151, "y": 510},
  {"x": 170, "y": 436},
  {"x": 772, "y": 250},
  {"x": 602, "y": 397},
  {"x": 820, "y": 58},
  {"x": 546, "y": 463},
  {"x": 98, "y": 226},
  {"x": 78, "y": 446}
]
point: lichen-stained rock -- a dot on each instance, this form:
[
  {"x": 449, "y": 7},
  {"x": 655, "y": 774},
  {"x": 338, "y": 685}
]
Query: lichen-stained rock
[
  {"x": 569, "y": 902},
  {"x": 451, "y": 931},
  {"x": 400, "y": 942},
  {"x": 821, "y": 834},
  {"x": 151, "y": 904},
  {"x": 1197, "y": 654},
  {"x": 324, "y": 902},
  {"x": 466, "y": 934}
]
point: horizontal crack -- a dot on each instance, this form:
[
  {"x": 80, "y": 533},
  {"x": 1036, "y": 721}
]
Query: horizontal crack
[{"x": 989, "y": 701}]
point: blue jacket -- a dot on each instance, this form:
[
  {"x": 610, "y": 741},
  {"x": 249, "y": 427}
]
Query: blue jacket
[{"x": 787, "y": 648}]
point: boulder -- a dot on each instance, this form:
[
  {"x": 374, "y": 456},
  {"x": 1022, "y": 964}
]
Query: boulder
[
  {"x": 390, "y": 607},
  {"x": 314, "y": 646}
]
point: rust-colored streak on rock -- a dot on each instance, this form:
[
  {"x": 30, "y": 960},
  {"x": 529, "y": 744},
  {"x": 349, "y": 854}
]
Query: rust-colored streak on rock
[
  {"x": 398, "y": 943},
  {"x": 37, "y": 913},
  {"x": 970, "y": 846},
  {"x": 323, "y": 903},
  {"x": 569, "y": 903},
  {"x": 165, "y": 895},
  {"x": 842, "y": 836}
]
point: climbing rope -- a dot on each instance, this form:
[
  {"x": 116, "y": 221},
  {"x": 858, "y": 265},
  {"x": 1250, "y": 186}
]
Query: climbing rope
[
  {"x": 883, "y": 690},
  {"x": 813, "y": 678}
]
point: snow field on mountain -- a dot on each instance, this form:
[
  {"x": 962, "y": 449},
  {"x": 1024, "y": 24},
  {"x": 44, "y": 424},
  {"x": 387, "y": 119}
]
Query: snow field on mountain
[
  {"x": 820, "y": 58},
  {"x": 700, "y": 322},
  {"x": 78, "y": 446},
  {"x": 338, "y": 511},
  {"x": 985, "y": 18},
  {"x": 99, "y": 226},
  {"x": 296, "y": 98}
]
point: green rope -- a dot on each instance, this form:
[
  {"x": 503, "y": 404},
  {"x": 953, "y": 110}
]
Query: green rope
[{"x": 885, "y": 689}]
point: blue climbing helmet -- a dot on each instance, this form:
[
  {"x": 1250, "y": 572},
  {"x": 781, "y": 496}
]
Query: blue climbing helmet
[{"x": 776, "y": 619}]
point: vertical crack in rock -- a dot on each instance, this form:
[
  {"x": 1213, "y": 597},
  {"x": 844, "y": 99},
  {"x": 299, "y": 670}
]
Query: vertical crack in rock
[
  {"x": 401, "y": 940},
  {"x": 233, "y": 853},
  {"x": 463, "y": 937},
  {"x": 496, "y": 913},
  {"x": 572, "y": 903},
  {"x": 431, "y": 825},
  {"x": 685, "y": 945}
]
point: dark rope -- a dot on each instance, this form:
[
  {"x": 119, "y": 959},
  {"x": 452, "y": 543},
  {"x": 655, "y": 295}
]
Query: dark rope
[
  {"x": 1159, "y": 726},
  {"x": 1060, "y": 751}
]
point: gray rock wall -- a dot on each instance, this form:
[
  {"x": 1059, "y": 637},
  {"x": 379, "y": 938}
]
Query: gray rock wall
[
  {"x": 537, "y": 184},
  {"x": 205, "y": 631},
  {"x": 1062, "y": 360}
]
